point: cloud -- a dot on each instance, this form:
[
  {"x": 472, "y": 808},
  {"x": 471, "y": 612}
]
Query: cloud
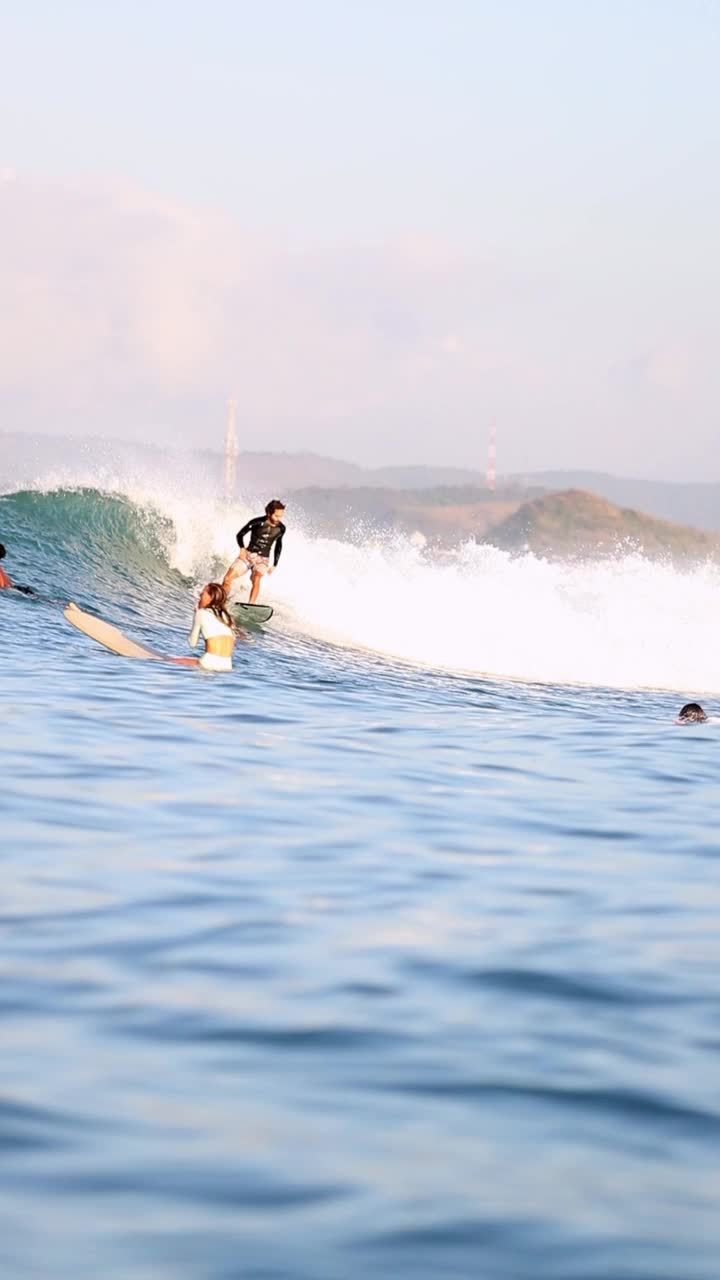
[
  {"x": 125, "y": 313},
  {"x": 113, "y": 295}
]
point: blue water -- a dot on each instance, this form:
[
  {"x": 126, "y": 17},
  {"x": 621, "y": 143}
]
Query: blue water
[{"x": 336, "y": 966}]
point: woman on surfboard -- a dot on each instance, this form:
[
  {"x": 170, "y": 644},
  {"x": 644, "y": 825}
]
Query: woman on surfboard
[{"x": 214, "y": 624}]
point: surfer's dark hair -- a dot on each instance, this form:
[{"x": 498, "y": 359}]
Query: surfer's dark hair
[
  {"x": 3, "y": 553},
  {"x": 692, "y": 712},
  {"x": 273, "y": 506},
  {"x": 218, "y": 603}
]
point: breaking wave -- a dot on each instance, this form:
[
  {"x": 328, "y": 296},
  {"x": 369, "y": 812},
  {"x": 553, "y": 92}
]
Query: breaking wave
[{"x": 627, "y": 622}]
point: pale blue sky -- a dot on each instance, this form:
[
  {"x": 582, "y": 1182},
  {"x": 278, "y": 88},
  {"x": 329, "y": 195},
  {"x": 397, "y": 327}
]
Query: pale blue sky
[{"x": 534, "y": 190}]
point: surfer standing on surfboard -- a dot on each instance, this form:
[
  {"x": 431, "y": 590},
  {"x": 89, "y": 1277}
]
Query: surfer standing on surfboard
[{"x": 266, "y": 532}]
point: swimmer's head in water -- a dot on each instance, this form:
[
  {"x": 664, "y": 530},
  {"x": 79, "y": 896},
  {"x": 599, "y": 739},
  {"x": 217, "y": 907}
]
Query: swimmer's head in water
[
  {"x": 692, "y": 713},
  {"x": 3, "y": 552}
]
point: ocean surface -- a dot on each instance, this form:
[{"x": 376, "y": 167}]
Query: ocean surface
[{"x": 393, "y": 953}]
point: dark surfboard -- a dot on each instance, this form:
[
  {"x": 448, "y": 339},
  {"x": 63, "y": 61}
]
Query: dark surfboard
[{"x": 251, "y": 615}]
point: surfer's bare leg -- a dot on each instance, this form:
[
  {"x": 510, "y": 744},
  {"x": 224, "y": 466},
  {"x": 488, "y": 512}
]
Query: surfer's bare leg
[
  {"x": 255, "y": 588},
  {"x": 237, "y": 569}
]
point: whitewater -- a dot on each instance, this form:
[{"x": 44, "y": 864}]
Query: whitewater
[{"x": 391, "y": 952}]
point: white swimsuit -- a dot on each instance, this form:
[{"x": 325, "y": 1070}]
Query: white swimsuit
[{"x": 208, "y": 625}]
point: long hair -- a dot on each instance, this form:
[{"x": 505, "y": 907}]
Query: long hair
[{"x": 218, "y": 603}]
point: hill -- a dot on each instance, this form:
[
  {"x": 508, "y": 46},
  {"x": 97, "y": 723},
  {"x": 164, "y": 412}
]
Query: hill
[
  {"x": 571, "y": 523},
  {"x": 692, "y": 502},
  {"x": 444, "y": 515},
  {"x": 577, "y": 523}
]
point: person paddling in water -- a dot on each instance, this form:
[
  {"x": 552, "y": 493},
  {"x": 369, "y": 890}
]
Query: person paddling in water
[
  {"x": 691, "y": 713},
  {"x": 266, "y": 535},
  {"x": 6, "y": 581},
  {"x": 214, "y": 624}
]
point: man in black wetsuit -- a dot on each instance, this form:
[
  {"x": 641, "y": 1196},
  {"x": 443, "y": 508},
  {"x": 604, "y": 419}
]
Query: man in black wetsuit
[{"x": 266, "y": 532}]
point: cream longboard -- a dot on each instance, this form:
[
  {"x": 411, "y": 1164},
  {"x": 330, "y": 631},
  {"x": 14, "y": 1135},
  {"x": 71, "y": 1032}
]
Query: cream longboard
[{"x": 114, "y": 640}]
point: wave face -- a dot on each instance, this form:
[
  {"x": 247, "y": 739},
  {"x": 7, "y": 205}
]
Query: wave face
[{"x": 624, "y": 623}]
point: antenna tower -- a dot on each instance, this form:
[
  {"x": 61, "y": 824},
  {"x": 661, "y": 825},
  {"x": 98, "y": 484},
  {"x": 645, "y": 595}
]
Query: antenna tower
[{"x": 231, "y": 451}]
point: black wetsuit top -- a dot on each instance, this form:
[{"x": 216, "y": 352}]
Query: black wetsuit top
[{"x": 263, "y": 536}]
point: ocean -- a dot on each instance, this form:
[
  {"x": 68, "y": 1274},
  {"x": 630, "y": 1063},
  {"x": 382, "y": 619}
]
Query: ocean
[{"x": 392, "y": 953}]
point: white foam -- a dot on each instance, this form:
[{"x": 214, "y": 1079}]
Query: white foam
[{"x": 626, "y": 622}]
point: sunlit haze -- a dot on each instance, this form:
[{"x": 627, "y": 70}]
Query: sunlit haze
[{"x": 379, "y": 226}]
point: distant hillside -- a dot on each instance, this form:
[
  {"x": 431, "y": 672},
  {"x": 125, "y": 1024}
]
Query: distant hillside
[
  {"x": 576, "y": 523},
  {"x": 696, "y": 503},
  {"x": 444, "y": 515}
]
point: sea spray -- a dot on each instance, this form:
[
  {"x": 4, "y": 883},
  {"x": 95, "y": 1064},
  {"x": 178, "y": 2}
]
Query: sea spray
[{"x": 625, "y": 622}]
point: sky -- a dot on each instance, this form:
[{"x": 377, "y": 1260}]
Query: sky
[{"x": 380, "y": 226}]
